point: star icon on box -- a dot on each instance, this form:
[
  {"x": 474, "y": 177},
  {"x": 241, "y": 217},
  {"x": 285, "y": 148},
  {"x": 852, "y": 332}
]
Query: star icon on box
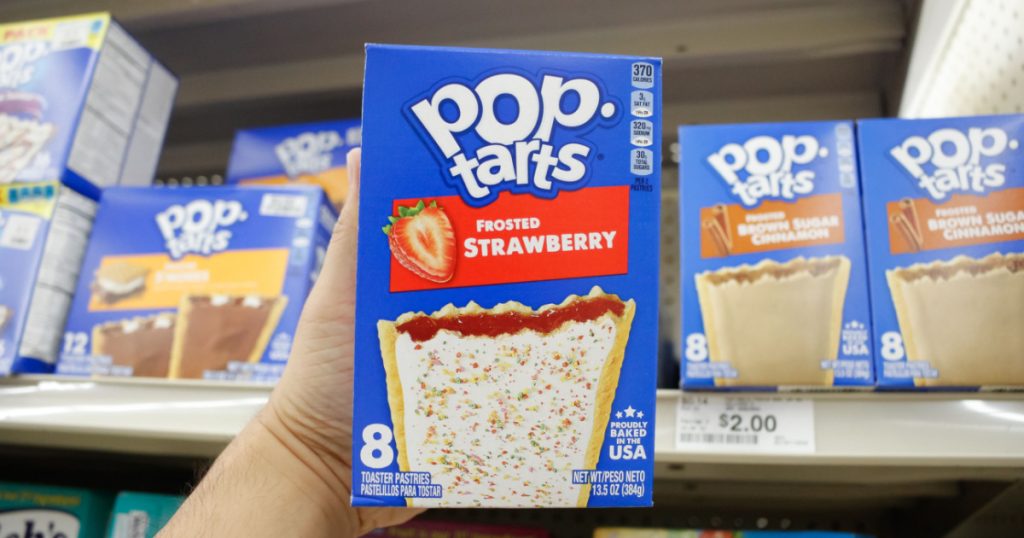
[
  {"x": 618, "y": 414},
  {"x": 639, "y": 414},
  {"x": 630, "y": 412}
]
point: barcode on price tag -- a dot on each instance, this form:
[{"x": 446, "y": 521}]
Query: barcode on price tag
[{"x": 745, "y": 424}]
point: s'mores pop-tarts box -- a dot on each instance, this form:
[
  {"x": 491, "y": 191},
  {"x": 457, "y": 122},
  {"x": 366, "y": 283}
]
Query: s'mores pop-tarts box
[
  {"x": 81, "y": 102},
  {"x": 774, "y": 277},
  {"x": 944, "y": 211},
  {"x": 196, "y": 283},
  {"x": 507, "y": 294},
  {"x": 308, "y": 153}
]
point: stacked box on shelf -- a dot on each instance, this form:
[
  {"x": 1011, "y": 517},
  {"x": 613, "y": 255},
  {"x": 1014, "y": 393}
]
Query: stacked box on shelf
[
  {"x": 30, "y": 510},
  {"x": 196, "y": 283},
  {"x": 141, "y": 515},
  {"x": 774, "y": 276},
  {"x": 944, "y": 211},
  {"x": 309, "y": 153},
  {"x": 82, "y": 107}
]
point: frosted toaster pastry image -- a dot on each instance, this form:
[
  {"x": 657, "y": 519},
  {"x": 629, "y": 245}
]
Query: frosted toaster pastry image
[
  {"x": 216, "y": 329},
  {"x": 775, "y": 323},
  {"x": 117, "y": 281},
  {"x": 20, "y": 141},
  {"x": 965, "y": 316},
  {"x": 6, "y": 315},
  {"x": 500, "y": 405},
  {"x": 143, "y": 343}
]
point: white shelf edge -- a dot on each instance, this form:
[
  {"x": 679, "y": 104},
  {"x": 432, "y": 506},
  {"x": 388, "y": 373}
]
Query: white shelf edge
[{"x": 197, "y": 419}]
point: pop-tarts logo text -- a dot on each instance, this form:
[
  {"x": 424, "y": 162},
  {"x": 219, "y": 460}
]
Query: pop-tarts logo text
[
  {"x": 952, "y": 160},
  {"x": 200, "y": 226},
  {"x": 513, "y": 149},
  {"x": 771, "y": 166},
  {"x": 17, "y": 62},
  {"x": 308, "y": 153}
]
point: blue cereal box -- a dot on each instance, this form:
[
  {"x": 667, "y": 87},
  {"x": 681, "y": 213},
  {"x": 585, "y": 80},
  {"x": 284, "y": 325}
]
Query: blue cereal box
[
  {"x": 944, "y": 212},
  {"x": 141, "y": 515},
  {"x": 309, "y": 153},
  {"x": 204, "y": 282},
  {"x": 44, "y": 229},
  {"x": 30, "y": 510},
  {"x": 774, "y": 277},
  {"x": 80, "y": 102},
  {"x": 507, "y": 299}
]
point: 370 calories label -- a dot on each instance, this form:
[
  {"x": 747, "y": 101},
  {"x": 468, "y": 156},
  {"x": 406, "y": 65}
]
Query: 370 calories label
[{"x": 517, "y": 238}]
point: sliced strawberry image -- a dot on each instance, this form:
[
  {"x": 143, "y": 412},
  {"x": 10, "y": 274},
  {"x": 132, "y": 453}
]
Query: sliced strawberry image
[{"x": 423, "y": 241}]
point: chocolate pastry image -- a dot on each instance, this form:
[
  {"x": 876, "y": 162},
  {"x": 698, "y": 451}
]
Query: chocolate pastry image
[
  {"x": 215, "y": 329},
  {"x": 118, "y": 281},
  {"x": 143, "y": 343}
]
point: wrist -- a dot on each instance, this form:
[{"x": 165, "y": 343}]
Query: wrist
[{"x": 305, "y": 466}]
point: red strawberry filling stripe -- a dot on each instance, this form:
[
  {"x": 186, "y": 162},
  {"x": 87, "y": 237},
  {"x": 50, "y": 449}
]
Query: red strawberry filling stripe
[{"x": 424, "y": 327}]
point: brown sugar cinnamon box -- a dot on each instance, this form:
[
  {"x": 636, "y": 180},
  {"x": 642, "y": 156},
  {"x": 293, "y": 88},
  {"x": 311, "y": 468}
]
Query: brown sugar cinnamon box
[
  {"x": 944, "y": 214},
  {"x": 196, "y": 283},
  {"x": 773, "y": 273}
]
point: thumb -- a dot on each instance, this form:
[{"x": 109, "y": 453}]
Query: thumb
[{"x": 333, "y": 297}]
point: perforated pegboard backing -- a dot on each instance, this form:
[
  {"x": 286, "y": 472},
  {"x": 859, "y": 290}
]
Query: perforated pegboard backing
[{"x": 971, "y": 60}]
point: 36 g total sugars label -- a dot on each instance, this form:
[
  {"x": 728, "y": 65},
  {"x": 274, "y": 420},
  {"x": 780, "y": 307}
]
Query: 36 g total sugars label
[{"x": 766, "y": 425}]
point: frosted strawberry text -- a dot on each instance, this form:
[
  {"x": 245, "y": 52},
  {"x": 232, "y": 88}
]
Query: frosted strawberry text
[
  {"x": 769, "y": 164},
  {"x": 519, "y": 151},
  {"x": 956, "y": 160}
]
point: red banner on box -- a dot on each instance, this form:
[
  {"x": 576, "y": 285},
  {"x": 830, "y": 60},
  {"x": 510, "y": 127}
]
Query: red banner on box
[{"x": 517, "y": 238}]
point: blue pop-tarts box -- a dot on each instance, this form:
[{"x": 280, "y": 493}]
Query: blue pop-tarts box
[
  {"x": 80, "y": 102},
  {"x": 32, "y": 510},
  {"x": 44, "y": 230},
  {"x": 307, "y": 153},
  {"x": 944, "y": 212},
  {"x": 773, "y": 270},
  {"x": 196, "y": 283},
  {"x": 506, "y": 313}
]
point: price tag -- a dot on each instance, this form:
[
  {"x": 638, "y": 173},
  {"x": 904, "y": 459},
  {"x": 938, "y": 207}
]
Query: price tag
[{"x": 745, "y": 424}]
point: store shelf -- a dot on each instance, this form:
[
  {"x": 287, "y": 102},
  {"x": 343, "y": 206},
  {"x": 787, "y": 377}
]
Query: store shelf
[
  {"x": 904, "y": 429},
  {"x": 132, "y": 416},
  {"x": 967, "y": 435}
]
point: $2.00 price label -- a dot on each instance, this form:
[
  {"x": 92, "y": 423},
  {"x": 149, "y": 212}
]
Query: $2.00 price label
[{"x": 744, "y": 424}]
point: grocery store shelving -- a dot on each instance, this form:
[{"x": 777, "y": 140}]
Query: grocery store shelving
[
  {"x": 967, "y": 435},
  {"x": 245, "y": 63},
  {"x": 192, "y": 419}
]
